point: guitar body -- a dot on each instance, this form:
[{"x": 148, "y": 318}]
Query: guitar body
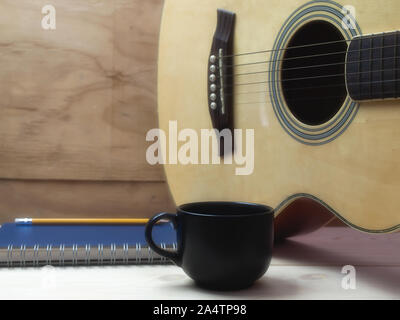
[{"x": 346, "y": 166}]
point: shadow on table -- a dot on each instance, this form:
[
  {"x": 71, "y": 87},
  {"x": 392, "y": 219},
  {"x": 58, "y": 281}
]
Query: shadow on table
[
  {"x": 385, "y": 277},
  {"x": 265, "y": 288}
]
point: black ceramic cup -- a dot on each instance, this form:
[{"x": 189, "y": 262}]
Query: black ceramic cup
[{"x": 221, "y": 245}]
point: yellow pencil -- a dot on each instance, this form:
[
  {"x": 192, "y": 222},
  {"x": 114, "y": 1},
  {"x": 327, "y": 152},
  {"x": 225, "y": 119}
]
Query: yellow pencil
[{"x": 34, "y": 221}]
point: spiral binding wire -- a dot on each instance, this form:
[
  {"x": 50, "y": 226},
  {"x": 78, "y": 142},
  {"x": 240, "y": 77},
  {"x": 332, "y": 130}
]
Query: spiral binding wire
[
  {"x": 62, "y": 251},
  {"x": 48, "y": 254},
  {"x": 74, "y": 255},
  {"x": 126, "y": 253},
  {"x": 113, "y": 253},
  {"x": 22, "y": 255},
  {"x": 36, "y": 255},
  {"x": 9, "y": 255},
  {"x": 100, "y": 254},
  {"x": 87, "y": 254},
  {"x": 164, "y": 247},
  {"x": 138, "y": 253}
]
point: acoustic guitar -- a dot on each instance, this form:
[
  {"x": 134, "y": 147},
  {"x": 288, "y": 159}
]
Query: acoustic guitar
[{"x": 317, "y": 81}]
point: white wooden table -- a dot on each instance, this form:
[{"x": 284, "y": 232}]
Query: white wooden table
[{"x": 306, "y": 267}]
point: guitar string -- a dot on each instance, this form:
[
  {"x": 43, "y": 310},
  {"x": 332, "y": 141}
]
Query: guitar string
[
  {"x": 324, "y": 76},
  {"x": 313, "y": 44},
  {"x": 313, "y": 77},
  {"x": 318, "y": 98},
  {"x": 309, "y": 56},
  {"x": 289, "y": 89},
  {"x": 297, "y": 99},
  {"x": 307, "y": 67},
  {"x": 300, "y": 99},
  {"x": 316, "y": 87},
  {"x": 312, "y": 66}
]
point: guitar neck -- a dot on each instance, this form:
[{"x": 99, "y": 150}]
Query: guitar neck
[{"x": 372, "y": 67}]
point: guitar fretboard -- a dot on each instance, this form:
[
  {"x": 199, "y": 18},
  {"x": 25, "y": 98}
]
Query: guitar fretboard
[{"x": 372, "y": 67}]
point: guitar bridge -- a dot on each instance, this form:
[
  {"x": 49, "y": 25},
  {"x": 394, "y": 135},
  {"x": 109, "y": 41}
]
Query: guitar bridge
[{"x": 220, "y": 76}]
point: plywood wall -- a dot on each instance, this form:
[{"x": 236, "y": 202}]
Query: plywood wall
[{"x": 76, "y": 103}]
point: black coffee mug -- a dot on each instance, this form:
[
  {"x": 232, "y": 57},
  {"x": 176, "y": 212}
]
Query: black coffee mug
[{"x": 221, "y": 245}]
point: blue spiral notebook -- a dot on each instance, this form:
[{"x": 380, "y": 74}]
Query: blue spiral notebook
[{"x": 60, "y": 245}]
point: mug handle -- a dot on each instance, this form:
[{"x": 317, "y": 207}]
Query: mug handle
[{"x": 174, "y": 256}]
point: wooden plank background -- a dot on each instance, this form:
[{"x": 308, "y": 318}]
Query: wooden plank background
[
  {"x": 77, "y": 101},
  {"x": 21, "y": 198},
  {"x": 76, "y": 105}
]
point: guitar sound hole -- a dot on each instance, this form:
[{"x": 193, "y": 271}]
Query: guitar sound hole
[{"x": 313, "y": 79}]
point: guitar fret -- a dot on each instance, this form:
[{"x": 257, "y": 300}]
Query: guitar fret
[
  {"x": 359, "y": 67},
  {"x": 382, "y": 71},
  {"x": 395, "y": 65},
  {"x": 370, "y": 66}
]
